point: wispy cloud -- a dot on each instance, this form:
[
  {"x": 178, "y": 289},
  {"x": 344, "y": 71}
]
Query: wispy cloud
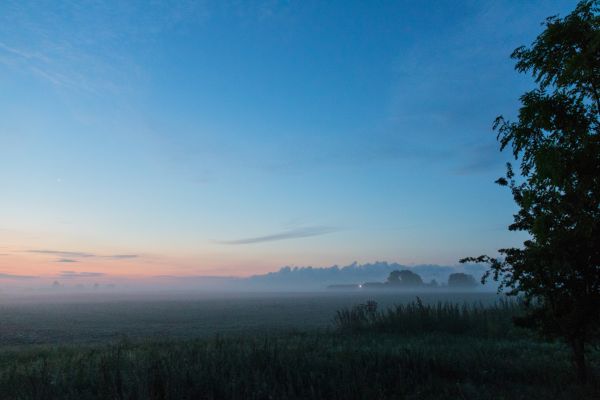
[
  {"x": 123, "y": 256},
  {"x": 60, "y": 253},
  {"x": 285, "y": 235},
  {"x": 11, "y": 276},
  {"x": 56, "y": 68},
  {"x": 22, "y": 54},
  {"x": 72, "y": 256},
  {"x": 39, "y": 39},
  {"x": 73, "y": 274}
]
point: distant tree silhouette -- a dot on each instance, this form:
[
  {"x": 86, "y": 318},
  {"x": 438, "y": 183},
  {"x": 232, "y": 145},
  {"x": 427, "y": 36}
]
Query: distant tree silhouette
[
  {"x": 556, "y": 140},
  {"x": 460, "y": 280},
  {"x": 404, "y": 278}
]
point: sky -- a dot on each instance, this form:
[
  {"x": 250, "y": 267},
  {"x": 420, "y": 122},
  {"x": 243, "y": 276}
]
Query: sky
[{"x": 232, "y": 138}]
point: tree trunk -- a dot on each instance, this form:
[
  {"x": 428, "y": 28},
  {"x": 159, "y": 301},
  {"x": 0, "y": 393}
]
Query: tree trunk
[{"x": 578, "y": 346}]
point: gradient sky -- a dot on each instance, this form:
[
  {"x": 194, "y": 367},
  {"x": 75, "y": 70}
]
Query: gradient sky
[{"x": 221, "y": 138}]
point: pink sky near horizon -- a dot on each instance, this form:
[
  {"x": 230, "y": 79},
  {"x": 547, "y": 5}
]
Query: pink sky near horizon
[
  {"x": 41, "y": 256},
  {"x": 26, "y": 263},
  {"x": 45, "y": 255},
  {"x": 22, "y": 266}
]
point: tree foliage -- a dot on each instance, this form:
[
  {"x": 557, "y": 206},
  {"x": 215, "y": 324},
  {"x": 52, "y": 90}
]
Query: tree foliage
[
  {"x": 556, "y": 141},
  {"x": 460, "y": 280},
  {"x": 404, "y": 278}
]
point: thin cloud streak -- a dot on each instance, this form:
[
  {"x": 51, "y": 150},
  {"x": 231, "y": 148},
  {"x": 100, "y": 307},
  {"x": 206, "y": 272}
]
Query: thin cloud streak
[
  {"x": 46, "y": 67},
  {"x": 122, "y": 256},
  {"x": 289, "y": 234},
  {"x": 73, "y": 274},
  {"x": 60, "y": 253},
  {"x": 70, "y": 256},
  {"x": 11, "y": 276}
]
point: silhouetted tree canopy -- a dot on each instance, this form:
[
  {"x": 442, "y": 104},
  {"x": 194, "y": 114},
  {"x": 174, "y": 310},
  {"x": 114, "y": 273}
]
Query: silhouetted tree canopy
[
  {"x": 460, "y": 280},
  {"x": 556, "y": 141},
  {"x": 404, "y": 278}
]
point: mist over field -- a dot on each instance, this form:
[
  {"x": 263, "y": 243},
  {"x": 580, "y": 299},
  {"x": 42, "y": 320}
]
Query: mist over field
[
  {"x": 70, "y": 309},
  {"x": 106, "y": 317},
  {"x": 296, "y": 279}
]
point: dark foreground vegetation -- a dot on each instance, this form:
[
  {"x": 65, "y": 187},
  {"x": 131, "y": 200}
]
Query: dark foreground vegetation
[
  {"x": 555, "y": 143},
  {"x": 414, "y": 351},
  {"x": 413, "y": 318}
]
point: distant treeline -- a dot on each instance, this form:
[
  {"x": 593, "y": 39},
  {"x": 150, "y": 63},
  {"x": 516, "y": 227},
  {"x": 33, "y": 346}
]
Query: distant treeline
[
  {"x": 353, "y": 274},
  {"x": 406, "y": 279}
]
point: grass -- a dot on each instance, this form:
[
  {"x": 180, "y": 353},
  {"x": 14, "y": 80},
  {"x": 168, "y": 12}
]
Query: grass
[
  {"x": 104, "y": 319},
  {"x": 418, "y": 350},
  {"x": 295, "y": 366},
  {"x": 471, "y": 320}
]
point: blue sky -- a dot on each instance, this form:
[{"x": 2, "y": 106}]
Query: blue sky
[{"x": 236, "y": 137}]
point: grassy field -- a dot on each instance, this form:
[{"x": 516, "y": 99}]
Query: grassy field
[
  {"x": 99, "y": 318},
  {"x": 301, "y": 346}
]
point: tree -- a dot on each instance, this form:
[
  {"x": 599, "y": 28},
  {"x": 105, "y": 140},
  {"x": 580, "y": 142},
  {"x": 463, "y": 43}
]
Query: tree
[
  {"x": 556, "y": 140},
  {"x": 460, "y": 280},
  {"x": 404, "y": 278}
]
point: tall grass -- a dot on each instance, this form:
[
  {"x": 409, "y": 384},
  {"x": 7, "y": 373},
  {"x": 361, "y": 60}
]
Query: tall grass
[
  {"x": 296, "y": 366},
  {"x": 412, "y": 351},
  {"x": 474, "y": 319}
]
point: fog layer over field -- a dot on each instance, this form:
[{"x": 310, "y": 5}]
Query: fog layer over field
[
  {"x": 81, "y": 310},
  {"x": 100, "y": 317},
  {"x": 297, "y": 279}
]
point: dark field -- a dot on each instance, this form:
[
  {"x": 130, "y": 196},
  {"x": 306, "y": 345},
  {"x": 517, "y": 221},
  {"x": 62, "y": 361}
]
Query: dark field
[
  {"x": 275, "y": 346},
  {"x": 93, "y": 318}
]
